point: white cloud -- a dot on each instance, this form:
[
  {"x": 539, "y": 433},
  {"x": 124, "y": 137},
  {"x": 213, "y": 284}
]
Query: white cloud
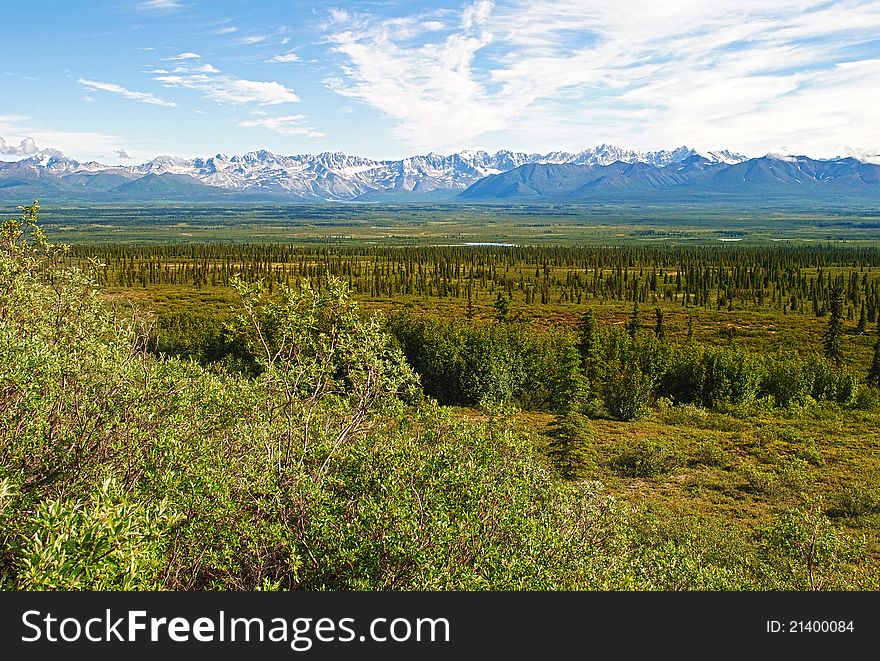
[
  {"x": 26, "y": 147},
  {"x": 184, "y": 56},
  {"x": 431, "y": 89},
  {"x": 143, "y": 97},
  {"x": 744, "y": 74},
  {"x": 198, "y": 68},
  {"x": 78, "y": 144},
  {"x": 229, "y": 29},
  {"x": 223, "y": 88},
  {"x": 253, "y": 39},
  {"x": 161, "y": 4},
  {"x": 284, "y": 59},
  {"x": 121, "y": 153},
  {"x": 285, "y": 125},
  {"x": 476, "y": 14}
]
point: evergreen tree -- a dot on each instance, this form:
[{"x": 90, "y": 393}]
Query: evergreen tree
[
  {"x": 469, "y": 311},
  {"x": 634, "y": 325},
  {"x": 690, "y": 333},
  {"x": 588, "y": 343},
  {"x": 835, "y": 328},
  {"x": 570, "y": 432},
  {"x": 863, "y": 321},
  {"x": 874, "y": 372},
  {"x": 568, "y": 385},
  {"x": 502, "y": 307},
  {"x": 660, "y": 327}
]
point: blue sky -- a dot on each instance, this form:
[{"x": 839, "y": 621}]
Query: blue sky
[{"x": 126, "y": 80}]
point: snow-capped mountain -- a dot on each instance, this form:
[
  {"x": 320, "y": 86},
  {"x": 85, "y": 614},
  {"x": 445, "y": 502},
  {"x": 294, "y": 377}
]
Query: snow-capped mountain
[
  {"x": 338, "y": 176},
  {"x": 773, "y": 176}
]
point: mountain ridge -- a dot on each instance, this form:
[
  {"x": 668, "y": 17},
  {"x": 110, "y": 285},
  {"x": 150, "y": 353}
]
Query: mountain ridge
[
  {"x": 766, "y": 176},
  {"x": 473, "y": 175}
]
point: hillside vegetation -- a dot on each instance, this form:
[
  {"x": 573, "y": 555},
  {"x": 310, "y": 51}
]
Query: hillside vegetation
[{"x": 301, "y": 442}]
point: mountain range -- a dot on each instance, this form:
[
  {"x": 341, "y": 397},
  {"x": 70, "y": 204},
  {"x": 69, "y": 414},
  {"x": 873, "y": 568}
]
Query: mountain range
[{"x": 603, "y": 172}]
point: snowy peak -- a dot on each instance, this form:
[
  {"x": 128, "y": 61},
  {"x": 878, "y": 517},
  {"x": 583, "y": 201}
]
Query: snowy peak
[
  {"x": 725, "y": 156},
  {"x": 336, "y": 176}
]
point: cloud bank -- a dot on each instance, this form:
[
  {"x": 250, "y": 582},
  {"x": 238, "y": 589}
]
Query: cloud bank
[{"x": 746, "y": 74}]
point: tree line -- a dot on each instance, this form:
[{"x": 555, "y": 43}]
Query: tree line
[{"x": 789, "y": 279}]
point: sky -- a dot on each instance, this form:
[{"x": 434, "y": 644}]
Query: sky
[{"x": 123, "y": 81}]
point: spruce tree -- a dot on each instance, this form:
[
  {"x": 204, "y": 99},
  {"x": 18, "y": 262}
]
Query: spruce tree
[
  {"x": 588, "y": 343},
  {"x": 874, "y": 372},
  {"x": 863, "y": 321},
  {"x": 634, "y": 325},
  {"x": 568, "y": 452},
  {"x": 660, "y": 327},
  {"x": 469, "y": 311},
  {"x": 834, "y": 334},
  {"x": 502, "y": 307}
]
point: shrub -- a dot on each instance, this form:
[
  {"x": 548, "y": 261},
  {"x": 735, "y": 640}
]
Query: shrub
[
  {"x": 809, "y": 451},
  {"x": 757, "y": 481},
  {"x": 788, "y": 382},
  {"x": 867, "y": 399},
  {"x": 833, "y": 383},
  {"x": 730, "y": 377},
  {"x": 645, "y": 458},
  {"x": 709, "y": 453},
  {"x": 686, "y": 415},
  {"x": 111, "y": 543},
  {"x": 683, "y": 380},
  {"x": 627, "y": 393},
  {"x": 804, "y": 551},
  {"x": 857, "y": 500}
]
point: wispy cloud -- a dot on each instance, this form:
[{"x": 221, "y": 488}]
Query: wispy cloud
[
  {"x": 183, "y": 56},
  {"x": 285, "y": 125},
  {"x": 745, "y": 74},
  {"x": 113, "y": 88},
  {"x": 121, "y": 153},
  {"x": 229, "y": 29},
  {"x": 430, "y": 89},
  {"x": 161, "y": 4},
  {"x": 26, "y": 147},
  {"x": 287, "y": 58},
  {"x": 252, "y": 39},
  {"x": 224, "y": 88}
]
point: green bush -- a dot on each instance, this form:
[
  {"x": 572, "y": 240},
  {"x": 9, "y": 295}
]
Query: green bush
[
  {"x": 857, "y": 500},
  {"x": 788, "y": 382},
  {"x": 833, "y": 384},
  {"x": 709, "y": 453},
  {"x": 731, "y": 376},
  {"x": 645, "y": 458},
  {"x": 683, "y": 380},
  {"x": 461, "y": 362},
  {"x": 627, "y": 393},
  {"x": 757, "y": 481},
  {"x": 112, "y": 543},
  {"x": 867, "y": 399},
  {"x": 802, "y": 550}
]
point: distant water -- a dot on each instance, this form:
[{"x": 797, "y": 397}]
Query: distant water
[{"x": 490, "y": 243}]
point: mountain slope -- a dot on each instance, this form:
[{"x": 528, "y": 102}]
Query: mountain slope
[
  {"x": 602, "y": 171},
  {"x": 693, "y": 177}
]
